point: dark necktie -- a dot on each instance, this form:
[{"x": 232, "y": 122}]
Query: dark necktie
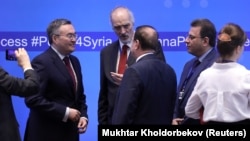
[
  {"x": 70, "y": 70},
  {"x": 196, "y": 63},
  {"x": 123, "y": 60},
  {"x": 191, "y": 71},
  {"x": 194, "y": 66}
]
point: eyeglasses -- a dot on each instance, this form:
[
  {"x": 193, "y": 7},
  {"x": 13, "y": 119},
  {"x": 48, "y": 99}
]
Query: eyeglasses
[
  {"x": 69, "y": 36},
  {"x": 191, "y": 37}
]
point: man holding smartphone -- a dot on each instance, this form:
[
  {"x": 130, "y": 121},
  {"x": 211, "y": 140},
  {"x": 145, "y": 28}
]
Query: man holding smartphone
[{"x": 13, "y": 86}]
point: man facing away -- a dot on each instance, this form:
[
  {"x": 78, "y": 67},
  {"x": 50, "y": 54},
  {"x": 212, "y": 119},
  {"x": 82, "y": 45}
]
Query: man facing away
[{"x": 148, "y": 89}]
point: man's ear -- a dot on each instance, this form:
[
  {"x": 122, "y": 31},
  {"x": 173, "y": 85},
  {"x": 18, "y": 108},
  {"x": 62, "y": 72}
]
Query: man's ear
[
  {"x": 55, "y": 38},
  {"x": 206, "y": 41},
  {"x": 137, "y": 44}
]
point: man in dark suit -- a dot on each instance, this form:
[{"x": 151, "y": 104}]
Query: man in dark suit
[
  {"x": 9, "y": 127},
  {"x": 200, "y": 42},
  {"x": 59, "y": 111},
  {"x": 148, "y": 89},
  {"x": 122, "y": 21}
]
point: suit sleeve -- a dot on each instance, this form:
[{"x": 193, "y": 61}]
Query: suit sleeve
[
  {"x": 41, "y": 101},
  {"x": 19, "y": 86},
  {"x": 126, "y": 103},
  {"x": 103, "y": 97},
  {"x": 81, "y": 95}
]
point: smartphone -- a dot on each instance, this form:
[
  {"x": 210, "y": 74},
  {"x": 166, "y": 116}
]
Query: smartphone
[{"x": 10, "y": 55}]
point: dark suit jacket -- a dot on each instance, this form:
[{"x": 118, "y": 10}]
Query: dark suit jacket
[
  {"x": 108, "y": 89},
  {"x": 180, "y": 104},
  {"x": 48, "y": 107},
  {"x": 147, "y": 93},
  {"x": 9, "y": 128}
]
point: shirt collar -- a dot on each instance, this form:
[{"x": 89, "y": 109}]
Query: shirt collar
[
  {"x": 58, "y": 53},
  {"x": 128, "y": 44},
  {"x": 204, "y": 55},
  {"x": 143, "y": 56}
]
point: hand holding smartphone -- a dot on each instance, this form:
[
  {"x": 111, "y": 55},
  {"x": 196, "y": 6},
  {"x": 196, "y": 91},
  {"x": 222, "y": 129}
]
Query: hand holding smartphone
[
  {"x": 20, "y": 55},
  {"x": 10, "y": 55}
]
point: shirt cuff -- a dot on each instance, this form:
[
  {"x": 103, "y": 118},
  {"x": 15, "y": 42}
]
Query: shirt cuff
[
  {"x": 85, "y": 119},
  {"x": 27, "y": 69},
  {"x": 66, "y": 115}
]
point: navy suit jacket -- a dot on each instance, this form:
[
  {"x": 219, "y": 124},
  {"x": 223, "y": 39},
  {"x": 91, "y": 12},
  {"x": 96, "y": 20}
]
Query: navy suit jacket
[
  {"x": 180, "y": 104},
  {"x": 9, "y": 85},
  {"x": 48, "y": 107},
  {"x": 108, "y": 88},
  {"x": 147, "y": 93}
]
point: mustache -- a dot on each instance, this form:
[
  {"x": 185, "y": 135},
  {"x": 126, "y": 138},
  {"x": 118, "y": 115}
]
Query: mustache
[{"x": 124, "y": 35}]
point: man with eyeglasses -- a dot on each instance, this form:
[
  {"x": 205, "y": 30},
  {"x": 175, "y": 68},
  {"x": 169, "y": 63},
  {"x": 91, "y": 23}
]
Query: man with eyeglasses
[
  {"x": 58, "y": 112},
  {"x": 200, "y": 43},
  {"x": 122, "y": 21}
]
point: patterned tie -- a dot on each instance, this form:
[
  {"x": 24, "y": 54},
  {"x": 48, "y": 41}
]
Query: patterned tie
[
  {"x": 70, "y": 70},
  {"x": 123, "y": 60}
]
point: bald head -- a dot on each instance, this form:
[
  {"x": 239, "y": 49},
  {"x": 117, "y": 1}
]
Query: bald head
[
  {"x": 147, "y": 36},
  {"x": 120, "y": 14}
]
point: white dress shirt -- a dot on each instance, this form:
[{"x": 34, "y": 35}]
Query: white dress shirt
[{"x": 224, "y": 91}]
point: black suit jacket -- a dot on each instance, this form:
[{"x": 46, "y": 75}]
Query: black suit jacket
[
  {"x": 108, "y": 89},
  {"x": 147, "y": 93},
  {"x": 9, "y": 85},
  {"x": 48, "y": 107},
  {"x": 180, "y": 104}
]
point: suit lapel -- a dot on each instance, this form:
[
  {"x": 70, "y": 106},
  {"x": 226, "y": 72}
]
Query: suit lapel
[
  {"x": 113, "y": 60},
  {"x": 61, "y": 68},
  {"x": 207, "y": 62},
  {"x": 110, "y": 59},
  {"x": 184, "y": 75}
]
